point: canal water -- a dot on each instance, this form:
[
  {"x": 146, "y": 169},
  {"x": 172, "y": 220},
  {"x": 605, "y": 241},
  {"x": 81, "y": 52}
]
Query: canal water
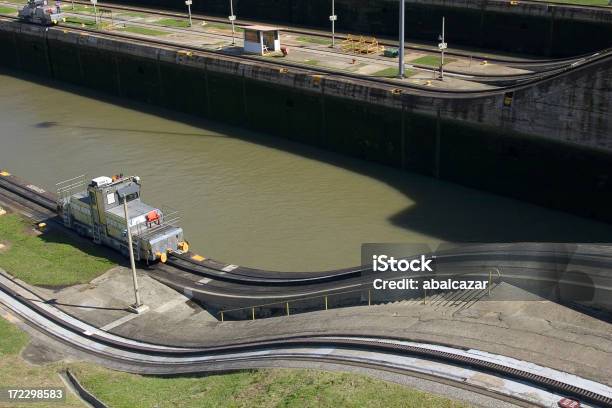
[{"x": 250, "y": 199}]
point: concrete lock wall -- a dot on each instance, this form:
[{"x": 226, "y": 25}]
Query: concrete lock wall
[
  {"x": 541, "y": 29},
  {"x": 552, "y": 146}
]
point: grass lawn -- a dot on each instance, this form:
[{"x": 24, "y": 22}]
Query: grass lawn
[
  {"x": 312, "y": 62},
  {"x": 13, "y": 339},
  {"x": 50, "y": 259},
  {"x": 432, "y": 60},
  {"x": 80, "y": 21},
  {"x": 173, "y": 22},
  {"x": 393, "y": 72},
  {"x": 256, "y": 388},
  {"x": 130, "y": 14},
  {"x": 143, "y": 31},
  {"x": 17, "y": 373},
  {"x": 227, "y": 27},
  {"x": 314, "y": 40},
  {"x": 78, "y": 8},
  {"x": 7, "y": 10}
]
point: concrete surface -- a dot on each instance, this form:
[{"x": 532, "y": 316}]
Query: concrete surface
[
  {"x": 537, "y": 331},
  {"x": 303, "y": 49}
]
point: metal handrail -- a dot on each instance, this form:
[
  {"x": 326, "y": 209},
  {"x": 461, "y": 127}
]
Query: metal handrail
[{"x": 325, "y": 297}]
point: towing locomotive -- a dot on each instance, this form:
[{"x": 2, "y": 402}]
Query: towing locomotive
[
  {"x": 38, "y": 12},
  {"x": 100, "y": 212}
]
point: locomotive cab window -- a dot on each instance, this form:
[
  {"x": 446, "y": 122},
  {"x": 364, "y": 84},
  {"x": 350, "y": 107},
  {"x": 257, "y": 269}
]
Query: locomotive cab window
[{"x": 131, "y": 197}]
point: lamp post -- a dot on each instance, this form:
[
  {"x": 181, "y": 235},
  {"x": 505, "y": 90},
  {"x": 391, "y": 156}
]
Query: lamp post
[
  {"x": 232, "y": 18},
  {"x": 333, "y": 19},
  {"x": 137, "y": 307},
  {"x": 188, "y": 3},
  {"x": 402, "y": 12},
  {"x": 442, "y": 47}
]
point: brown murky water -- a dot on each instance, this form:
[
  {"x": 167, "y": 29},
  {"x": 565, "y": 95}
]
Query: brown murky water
[{"x": 252, "y": 200}]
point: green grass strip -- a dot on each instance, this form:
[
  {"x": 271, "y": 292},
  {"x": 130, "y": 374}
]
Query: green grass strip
[
  {"x": 431, "y": 60},
  {"x": 314, "y": 40},
  {"x": 393, "y": 72},
  {"x": 50, "y": 259},
  {"x": 173, "y": 22},
  {"x": 261, "y": 388},
  {"x": 12, "y": 340},
  {"x": 144, "y": 31}
]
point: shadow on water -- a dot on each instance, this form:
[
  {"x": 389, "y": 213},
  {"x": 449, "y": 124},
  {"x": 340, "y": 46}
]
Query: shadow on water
[
  {"x": 480, "y": 218},
  {"x": 46, "y": 125}
]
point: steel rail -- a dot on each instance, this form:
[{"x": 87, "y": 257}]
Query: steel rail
[
  {"x": 28, "y": 194},
  {"x": 422, "y": 90},
  {"x": 484, "y": 78},
  {"x": 547, "y": 65},
  {"x": 306, "y": 341},
  {"x": 249, "y": 276},
  {"x": 387, "y": 345},
  {"x": 323, "y": 34}
]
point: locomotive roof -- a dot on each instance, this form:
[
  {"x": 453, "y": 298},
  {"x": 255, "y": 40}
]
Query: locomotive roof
[{"x": 136, "y": 208}]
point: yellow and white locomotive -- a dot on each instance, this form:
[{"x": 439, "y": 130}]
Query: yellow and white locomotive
[{"x": 99, "y": 213}]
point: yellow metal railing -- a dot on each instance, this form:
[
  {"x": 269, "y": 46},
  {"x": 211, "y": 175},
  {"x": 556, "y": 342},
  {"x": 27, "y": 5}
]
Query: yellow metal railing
[
  {"x": 287, "y": 303},
  {"x": 361, "y": 45},
  {"x": 325, "y": 298}
]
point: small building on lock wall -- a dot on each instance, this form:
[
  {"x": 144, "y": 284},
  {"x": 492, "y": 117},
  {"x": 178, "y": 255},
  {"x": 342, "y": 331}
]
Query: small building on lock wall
[{"x": 260, "y": 39}]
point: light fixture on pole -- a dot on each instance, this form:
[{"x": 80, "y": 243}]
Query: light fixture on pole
[
  {"x": 333, "y": 18},
  {"x": 232, "y": 18},
  {"x": 188, "y": 3},
  {"x": 402, "y": 13},
  {"x": 124, "y": 193},
  {"x": 443, "y": 46}
]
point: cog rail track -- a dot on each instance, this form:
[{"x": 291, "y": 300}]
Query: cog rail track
[{"x": 388, "y": 345}]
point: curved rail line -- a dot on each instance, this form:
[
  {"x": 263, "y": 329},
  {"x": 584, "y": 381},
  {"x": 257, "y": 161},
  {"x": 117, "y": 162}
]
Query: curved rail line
[
  {"x": 433, "y": 49},
  {"x": 423, "y": 90},
  {"x": 490, "y": 79},
  {"x": 188, "y": 357},
  {"x": 385, "y": 345},
  {"x": 484, "y": 78},
  {"x": 250, "y": 276}
]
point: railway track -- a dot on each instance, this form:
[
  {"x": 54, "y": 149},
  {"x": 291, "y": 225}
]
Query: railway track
[
  {"x": 431, "y": 49},
  {"x": 423, "y": 90},
  {"x": 384, "y": 353},
  {"x": 488, "y": 79},
  {"x": 539, "y": 67},
  {"x": 168, "y": 358},
  {"x": 222, "y": 286}
]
